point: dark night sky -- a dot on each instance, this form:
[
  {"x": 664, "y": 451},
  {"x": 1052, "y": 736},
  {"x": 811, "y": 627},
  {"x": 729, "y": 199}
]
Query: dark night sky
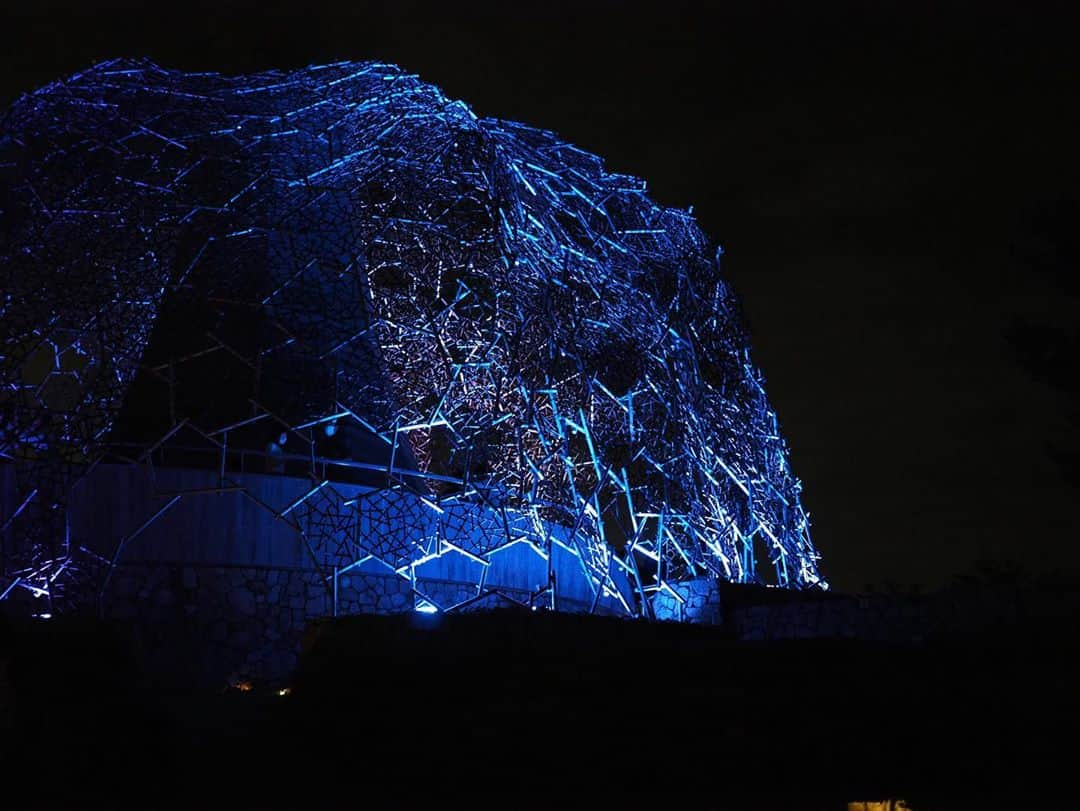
[{"x": 868, "y": 172}]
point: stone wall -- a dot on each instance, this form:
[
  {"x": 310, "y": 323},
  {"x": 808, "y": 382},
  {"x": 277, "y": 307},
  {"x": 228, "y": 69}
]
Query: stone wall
[
  {"x": 698, "y": 601},
  {"x": 230, "y": 624},
  {"x": 961, "y": 610},
  {"x": 213, "y": 625},
  {"x": 209, "y": 625}
]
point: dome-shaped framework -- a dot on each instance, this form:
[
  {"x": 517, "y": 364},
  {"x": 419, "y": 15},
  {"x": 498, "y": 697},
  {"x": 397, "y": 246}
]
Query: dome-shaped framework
[{"x": 463, "y": 331}]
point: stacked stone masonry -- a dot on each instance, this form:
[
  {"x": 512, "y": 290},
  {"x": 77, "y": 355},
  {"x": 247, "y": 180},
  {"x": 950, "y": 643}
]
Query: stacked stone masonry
[{"x": 210, "y": 625}]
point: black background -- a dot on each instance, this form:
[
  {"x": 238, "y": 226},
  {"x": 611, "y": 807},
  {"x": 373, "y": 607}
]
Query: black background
[{"x": 873, "y": 171}]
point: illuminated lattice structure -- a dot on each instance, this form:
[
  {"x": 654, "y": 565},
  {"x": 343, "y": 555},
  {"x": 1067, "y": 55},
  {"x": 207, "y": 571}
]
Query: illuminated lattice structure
[{"x": 462, "y": 333}]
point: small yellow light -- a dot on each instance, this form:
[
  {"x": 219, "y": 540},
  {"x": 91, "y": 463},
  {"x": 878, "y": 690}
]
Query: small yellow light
[{"x": 284, "y": 691}]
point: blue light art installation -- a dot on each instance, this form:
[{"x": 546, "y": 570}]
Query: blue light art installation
[{"x": 463, "y": 333}]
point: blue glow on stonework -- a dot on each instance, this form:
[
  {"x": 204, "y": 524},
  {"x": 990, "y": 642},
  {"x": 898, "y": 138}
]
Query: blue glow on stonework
[{"x": 337, "y": 274}]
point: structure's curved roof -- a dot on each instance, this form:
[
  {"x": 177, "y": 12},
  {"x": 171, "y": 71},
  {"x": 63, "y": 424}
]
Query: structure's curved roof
[{"x": 483, "y": 313}]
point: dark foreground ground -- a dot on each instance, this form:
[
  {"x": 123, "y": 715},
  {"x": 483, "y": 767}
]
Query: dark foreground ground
[{"x": 517, "y": 710}]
